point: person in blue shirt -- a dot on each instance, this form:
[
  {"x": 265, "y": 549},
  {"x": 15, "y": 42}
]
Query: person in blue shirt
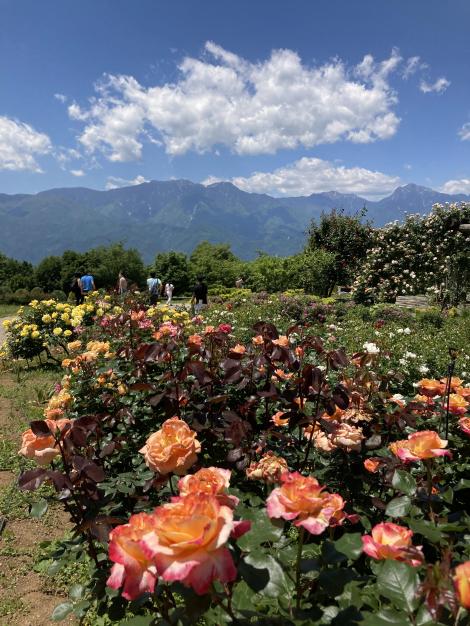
[{"x": 87, "y": 284}]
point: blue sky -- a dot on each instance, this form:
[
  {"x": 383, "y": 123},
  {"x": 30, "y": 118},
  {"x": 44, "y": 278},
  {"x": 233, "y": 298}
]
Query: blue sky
[{"x": 286, "y": 97}]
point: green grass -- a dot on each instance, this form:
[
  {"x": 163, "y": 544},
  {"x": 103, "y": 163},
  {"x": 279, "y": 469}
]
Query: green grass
[{"x": 8, "y": 309}]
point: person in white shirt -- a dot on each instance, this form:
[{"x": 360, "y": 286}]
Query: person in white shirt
[
  {"x": 122, "y": 284},
  {"x": 169, "y": 288}
]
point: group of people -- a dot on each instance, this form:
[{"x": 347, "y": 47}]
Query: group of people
[
  {"x": 85, "y": 284},
  {"x": 155, "y": 287},
  {"x": 81, "y": 286}
]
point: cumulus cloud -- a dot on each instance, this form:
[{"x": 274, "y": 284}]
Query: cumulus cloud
[
  {"x": 464, "y": 132},
  {"x": 439, "y": 86},
  {"x": 114, "y": 182},
  {"x": 312, "y": 175},
  {"x": 60, "y": 97},
  {"x": 20, "y": 144},
  {"x": 221, "y": 99},
  {"x": 77, "y": 173},
  {"x": 461, "y": 185}
]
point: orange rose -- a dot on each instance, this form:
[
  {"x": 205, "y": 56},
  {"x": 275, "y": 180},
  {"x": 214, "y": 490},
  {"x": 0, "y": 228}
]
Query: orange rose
[
  {"x": 457, "y": 404},
  {"x": 53, "y": 414},
  {"x": 430, "y": 387},
  {"x": 463, "y": 391},
  {"x": 347, "y": 437},
  {"x": 336, "y": 417},
  {"x": 282, "y": 375},
  {"x": 372, "y": 464},
  {"x": 283, "y": 341},
  {"x": 390, "y": 541},
  {"x": 462, "y": 583},
  {"x": 424, "y": 444},
  {"x": 258, "y": 340},
  {"x": 131, "y": 566},
  {"x": 301, "y": 498},
  {"x": 189, "y": 540},
  {"x": 73, "y": 346},
  {"x": 464, "y": 425},
  {"x": 238, "y": 350},
  {"x": 320, "y": 439},
  {"x": 269, "y": 468},
  {"x": 454, "y": 382},
  {"x": 194, "y": 342},
  {"x": 209, "y": 330},
  {"x": 42, "y": 449},
  {"x": 212, "y": 481},
  {"x": 173, "y": 448},
  {"x": 299, "y": 351},
  {"x": 277, "y": 419}
]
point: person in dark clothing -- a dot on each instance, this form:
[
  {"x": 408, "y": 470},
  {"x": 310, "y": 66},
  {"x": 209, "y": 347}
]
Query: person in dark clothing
[
  {"x": 76, "y": 288},
  {"x": 200, "y": 294}
]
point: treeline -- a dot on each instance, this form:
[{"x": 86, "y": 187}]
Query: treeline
[{"x": 335, "y": 246}]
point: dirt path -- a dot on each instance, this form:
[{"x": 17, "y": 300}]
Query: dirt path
[
  {"x": 2, "y": 330},
  {"x": 25, "y": 599}
]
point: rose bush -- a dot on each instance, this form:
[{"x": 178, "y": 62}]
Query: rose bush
[{"x": 277, "y": 479}]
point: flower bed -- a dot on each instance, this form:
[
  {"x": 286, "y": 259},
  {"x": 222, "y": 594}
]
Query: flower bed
[{"x": 269, "y": 479}]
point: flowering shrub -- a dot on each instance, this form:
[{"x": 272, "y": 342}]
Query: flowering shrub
[
  {"x": 423, "y": 255},
  {"x": 43, "y": 326},
  {"x": 272, "y": 480}
]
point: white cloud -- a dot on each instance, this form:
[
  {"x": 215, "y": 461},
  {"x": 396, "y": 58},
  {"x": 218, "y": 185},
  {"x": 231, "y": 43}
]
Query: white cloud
[
  {"x": 221, "y": 99},
  {"x": 461, "y": 185},
  {"x": 20, "y": 144},
  {"x": 413, "y": 65},
  {"x": 312, "y": 175},
  {"x": 439, "y": 86},
  {"x": 60, "y": 97},
  {"x": 77, "y": 173},
  {"x": 464, "y": 132},
  {"x": 114, "y": 182}
]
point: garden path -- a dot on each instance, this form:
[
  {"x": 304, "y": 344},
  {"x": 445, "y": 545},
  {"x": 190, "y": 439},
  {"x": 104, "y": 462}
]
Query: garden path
[
  {"x": 2, "y": 330},
  {"x": 25, "y": 597}
]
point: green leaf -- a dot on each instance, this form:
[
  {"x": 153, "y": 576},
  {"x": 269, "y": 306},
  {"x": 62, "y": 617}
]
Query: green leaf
[
  {"x": 426, "y": 529},
  {"x": 262, "y": 530},
  {"x": 350, "y": 544},
  {"x": 76, "y": 591},
  {"x": 403, "y": 481},
  {"x": 399, "y": 582},
  {"x": 398, "y": 507},
  {"x": 464, "y": 483},
  {"x": 39, "y": 508},
  {"x": 61, "y": 611},
  {"x": 385, "y": 617},
  {"x": 264, "y": 575}
]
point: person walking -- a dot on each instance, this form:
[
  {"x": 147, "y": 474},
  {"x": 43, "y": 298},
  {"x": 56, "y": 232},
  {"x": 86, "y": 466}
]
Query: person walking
[
  {"x": 87, "y": 284},
  {"x": 76, "y": 288},
  {"x": 154, "y": 285},
  {"x": 169, "y": 288},
  {"x": 200, "y": 295},
  {"x": 122, "y": 284}
]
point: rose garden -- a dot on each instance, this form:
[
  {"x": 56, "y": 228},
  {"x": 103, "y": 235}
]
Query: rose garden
[{"x": 280, "y": 458}]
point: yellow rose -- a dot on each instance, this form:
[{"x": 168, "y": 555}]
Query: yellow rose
[{"x": 57, "y": 331}]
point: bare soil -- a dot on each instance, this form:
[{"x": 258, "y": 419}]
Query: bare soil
[{"x": 24, "y": 599}]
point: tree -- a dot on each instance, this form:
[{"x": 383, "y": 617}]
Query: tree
[
  {"x": 105, "y": 263},
  {"x": 48, "y": 274},
  {"x": 216, "y": 263},
  {"x": 346, "y": 236},
  {"x": 15, "y": 274},
  {"x": 173, "y": 267}
]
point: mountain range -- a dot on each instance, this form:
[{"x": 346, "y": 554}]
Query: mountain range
[{"x": 178, "y": 214}]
